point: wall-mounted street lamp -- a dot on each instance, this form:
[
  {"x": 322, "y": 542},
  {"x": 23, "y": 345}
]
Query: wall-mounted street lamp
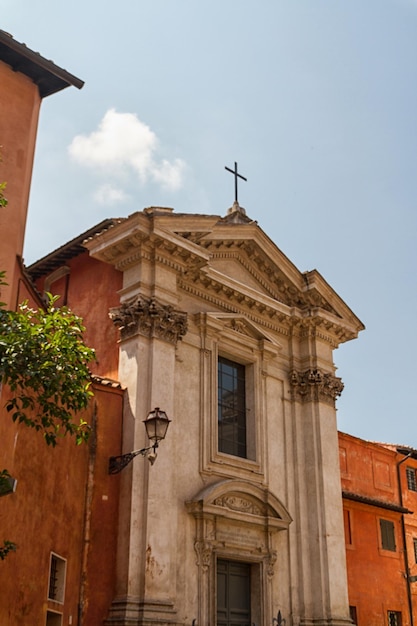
[
  {"x": 7, "y": 484},
  {"x": 156, "y": 425},
  {"x": 278, "y": 620}
]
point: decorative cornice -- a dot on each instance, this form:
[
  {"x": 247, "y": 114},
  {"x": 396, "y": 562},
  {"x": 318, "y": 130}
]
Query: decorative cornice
[
  {"x": 267, "y": 274},
  {"x": 268, "y": 316},
  {"x": 315, "y": 385},
  {"x": 148, "y": 317}
]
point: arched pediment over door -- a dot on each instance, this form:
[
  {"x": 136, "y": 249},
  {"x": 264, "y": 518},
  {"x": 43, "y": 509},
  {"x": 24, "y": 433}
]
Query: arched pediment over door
[
  {"x": 239, "y": 501},
  {"x": 238, "y": 521}
]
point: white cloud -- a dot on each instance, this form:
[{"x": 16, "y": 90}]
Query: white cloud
[
  {"x": 109, "y": 195},
  {"x": 123, "y": 146}
]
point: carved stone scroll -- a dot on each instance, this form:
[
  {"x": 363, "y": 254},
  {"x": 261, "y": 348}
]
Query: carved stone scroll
[
  {"x": 238, "y": 503},
  {"x": 314, "y": 384},
  {"x": 270, "y": 562},
  {"x": 204, "y": 550},
  {"x": 147, "y": 316}
]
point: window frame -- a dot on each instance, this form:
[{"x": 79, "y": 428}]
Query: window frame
[
  {"x": 243, "y": 446},
  {"x": 57, "y": 578},
  {"x": 397, "y": 616},
  {"x": 353, "y": 612},
  {"x": 53, "y": 618},
  {"x": 411, "y": 475},
  {"x": 387, "y": 534},
  {"x": 238, "y": 339}
]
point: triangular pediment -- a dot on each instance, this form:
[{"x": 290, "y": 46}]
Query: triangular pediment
[
  {"x": 230, "y": 262},
  {"x": 242, "y": 253},
  {"x": 243, "y": 328}
]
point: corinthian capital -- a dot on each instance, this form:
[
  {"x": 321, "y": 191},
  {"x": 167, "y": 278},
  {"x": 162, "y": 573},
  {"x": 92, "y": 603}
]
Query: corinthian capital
[
  {"x": 147, "y": 316},
  {"x": 314, "y": 384}
]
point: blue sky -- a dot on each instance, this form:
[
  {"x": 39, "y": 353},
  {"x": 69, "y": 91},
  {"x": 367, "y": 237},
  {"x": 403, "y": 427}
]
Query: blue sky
[{"x": 317, "y": 102}]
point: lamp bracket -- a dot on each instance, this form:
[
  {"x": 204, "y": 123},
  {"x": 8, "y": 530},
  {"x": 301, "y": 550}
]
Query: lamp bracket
[{"x": 117, "y": 463}]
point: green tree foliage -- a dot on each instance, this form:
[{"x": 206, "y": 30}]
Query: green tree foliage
[
  {"x": 3, "y": 200},
  {"x": 44, "y": 361}
]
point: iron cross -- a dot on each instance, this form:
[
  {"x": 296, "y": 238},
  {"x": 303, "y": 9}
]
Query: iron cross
[{"x": 236, "y": 175}]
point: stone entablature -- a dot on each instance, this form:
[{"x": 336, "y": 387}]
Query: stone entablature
[{"x": 148, "y": 317}]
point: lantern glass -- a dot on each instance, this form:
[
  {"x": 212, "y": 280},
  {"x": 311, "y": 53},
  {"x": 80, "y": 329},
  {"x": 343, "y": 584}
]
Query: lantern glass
[{"x": 156, "y": 425}]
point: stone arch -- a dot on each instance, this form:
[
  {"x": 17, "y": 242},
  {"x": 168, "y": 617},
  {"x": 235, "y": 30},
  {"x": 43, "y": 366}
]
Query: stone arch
[{"x": 241, "y": 501}]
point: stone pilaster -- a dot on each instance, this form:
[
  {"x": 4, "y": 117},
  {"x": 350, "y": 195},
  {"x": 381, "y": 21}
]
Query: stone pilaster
[{"x": 147, "y": 553}]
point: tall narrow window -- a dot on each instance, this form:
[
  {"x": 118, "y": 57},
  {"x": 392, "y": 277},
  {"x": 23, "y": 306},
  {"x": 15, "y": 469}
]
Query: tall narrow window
[
  {"x": 387, "y": 535},
  {"x": 411, "y": 478},
  {"x": 415, "y": 549},
  {"x": 348, "y": 527},
  {"x": 231, "y": 412},
  {"x": 394, "y": 618},
  {"x": 233, "y": 593},
  {"x": 353, "y": 614},
  {"x": 57, "y": 569}
]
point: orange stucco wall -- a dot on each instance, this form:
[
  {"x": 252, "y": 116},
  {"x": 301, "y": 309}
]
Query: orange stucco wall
[
  {"x": 19, "y": 105},
  {"x": 66, "y": 503},
  {"x": 90, "y": 289},
  {"x": 376, "y": 577}
]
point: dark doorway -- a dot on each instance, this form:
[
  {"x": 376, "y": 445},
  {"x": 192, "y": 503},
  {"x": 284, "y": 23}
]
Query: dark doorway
[{"x": 233, "y": 593}]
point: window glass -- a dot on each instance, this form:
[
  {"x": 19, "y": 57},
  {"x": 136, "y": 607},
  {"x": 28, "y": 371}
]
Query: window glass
[{"x": 231, "y": 408}]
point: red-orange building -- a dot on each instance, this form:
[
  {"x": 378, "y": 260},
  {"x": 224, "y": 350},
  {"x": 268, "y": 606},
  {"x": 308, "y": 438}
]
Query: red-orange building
[
  {"x": 380, "y": 513},
  {"x": 63, "y": 513}
]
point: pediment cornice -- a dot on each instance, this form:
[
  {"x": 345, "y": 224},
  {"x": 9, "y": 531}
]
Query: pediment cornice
[
  {"x": 269, "y": 313},
  {"x": 212, "y": 258}
]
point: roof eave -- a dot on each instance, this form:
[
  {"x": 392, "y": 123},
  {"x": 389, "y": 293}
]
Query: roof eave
[{"x": 49, "y": 78}]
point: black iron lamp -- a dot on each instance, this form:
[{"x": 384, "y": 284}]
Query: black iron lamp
[{"x": 156, "y": 425}]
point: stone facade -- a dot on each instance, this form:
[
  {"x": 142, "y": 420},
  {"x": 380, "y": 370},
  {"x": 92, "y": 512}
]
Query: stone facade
[{"x": 198, "y": 289}]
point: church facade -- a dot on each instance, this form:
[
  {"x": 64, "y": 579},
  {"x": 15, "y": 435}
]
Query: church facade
[{"x": 239, "y": 520}]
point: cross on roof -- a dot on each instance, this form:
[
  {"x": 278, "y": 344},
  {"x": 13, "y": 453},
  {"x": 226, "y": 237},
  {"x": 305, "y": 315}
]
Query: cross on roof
[{"x": 236, "y": 175}]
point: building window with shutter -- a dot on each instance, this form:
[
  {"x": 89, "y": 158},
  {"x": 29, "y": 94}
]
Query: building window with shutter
[
  {"x": 57, "y": 571},
  {"x": 394, "y": 618},
  {"x": 411, "y": 478},
  {"x": 387, "y": 535},
  {"x": 353, "y": 614}
]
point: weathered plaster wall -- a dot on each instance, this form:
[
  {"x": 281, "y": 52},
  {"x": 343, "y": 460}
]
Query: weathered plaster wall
[
  {"x": 19, "y": 104},
  {"x": 376, "y": 577}
]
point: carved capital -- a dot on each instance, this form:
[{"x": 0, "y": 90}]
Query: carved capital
[
  {"x": 315, "y": 385},
  {"x": 148, "y": 317}
]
